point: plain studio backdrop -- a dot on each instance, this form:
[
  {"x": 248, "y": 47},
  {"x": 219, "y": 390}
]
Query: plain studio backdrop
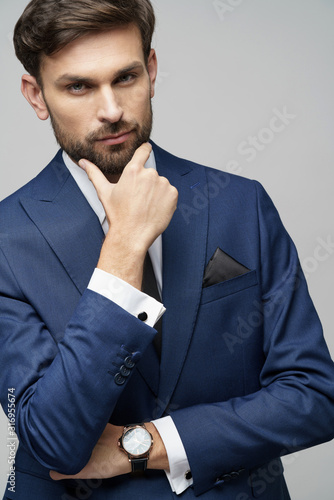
[{"x": 244, "y": 86}]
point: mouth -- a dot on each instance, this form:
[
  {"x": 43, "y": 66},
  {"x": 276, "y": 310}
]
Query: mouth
[{"x": 113, "y": 139}]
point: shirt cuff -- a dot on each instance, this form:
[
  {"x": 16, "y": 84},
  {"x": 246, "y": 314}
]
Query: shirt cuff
[
  {"x": 126, "y": 296},
  {"x": 177, "y": 457}
]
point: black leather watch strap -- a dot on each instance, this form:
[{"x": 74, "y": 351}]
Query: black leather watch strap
[{"x": 138, "y": 464}]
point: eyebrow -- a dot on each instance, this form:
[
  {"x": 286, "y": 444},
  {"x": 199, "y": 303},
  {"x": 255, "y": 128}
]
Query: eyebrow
[{"x": 68, "y": 77}]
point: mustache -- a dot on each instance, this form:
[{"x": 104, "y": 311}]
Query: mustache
[{"x": 110, "y": 129}]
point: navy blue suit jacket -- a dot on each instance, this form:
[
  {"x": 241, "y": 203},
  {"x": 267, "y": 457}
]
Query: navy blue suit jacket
[{"x": 245, "y": 372}]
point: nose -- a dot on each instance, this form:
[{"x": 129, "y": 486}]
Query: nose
[{"x": 109, "y": 109}]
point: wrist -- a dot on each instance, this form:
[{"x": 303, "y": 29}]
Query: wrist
[
  {"x": 133, "y": 441},
  {"x": 122, "y": 260},
  {"x": 158, "y": 456}
]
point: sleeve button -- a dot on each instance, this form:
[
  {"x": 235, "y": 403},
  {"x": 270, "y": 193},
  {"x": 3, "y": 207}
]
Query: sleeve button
[
  {"x": 125, "y": 371},
  {"x": 119, "y": 379},
  {"x": 129, "y": 363}
]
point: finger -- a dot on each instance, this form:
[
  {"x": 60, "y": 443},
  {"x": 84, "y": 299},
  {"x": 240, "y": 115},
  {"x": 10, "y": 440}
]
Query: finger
[
  {"x": 141, "y": 155},
  {"x": 95, "y": 175}
]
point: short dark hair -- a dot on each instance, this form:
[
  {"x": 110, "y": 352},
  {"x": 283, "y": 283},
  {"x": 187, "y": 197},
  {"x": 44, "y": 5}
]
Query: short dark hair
[{"x": 46, "y": 26}]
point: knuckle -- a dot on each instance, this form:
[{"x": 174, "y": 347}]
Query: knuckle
[
  {"x": 131, "y": 167},
  {"x": 164, "y": 181},
  {"x": 174, "y": 192},
  {"x": 151, "y": 172},
  {"x": 151, "y": 175}
]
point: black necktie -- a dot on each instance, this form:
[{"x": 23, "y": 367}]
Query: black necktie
[{"x": 149, "y": 286}]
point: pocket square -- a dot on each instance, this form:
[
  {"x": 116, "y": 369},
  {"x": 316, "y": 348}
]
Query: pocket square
[{"x": 222, "y": 267}]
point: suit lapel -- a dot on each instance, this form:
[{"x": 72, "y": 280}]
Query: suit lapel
[
  {"x": 184, "y": 253},
  {"x": 67, "y": 222}
]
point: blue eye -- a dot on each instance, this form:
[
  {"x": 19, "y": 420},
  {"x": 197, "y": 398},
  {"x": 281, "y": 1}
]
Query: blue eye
[{"x": 77, "y": 88}]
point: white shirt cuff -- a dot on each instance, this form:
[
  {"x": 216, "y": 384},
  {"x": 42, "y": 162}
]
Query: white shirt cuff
[
  {"x": 126, "y": 296},
  {"x": 178, "y": 461}
]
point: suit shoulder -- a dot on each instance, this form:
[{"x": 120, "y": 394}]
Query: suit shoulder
[
  {"x": 10, "y": 207},
  {"x": 231, "y": 183}
]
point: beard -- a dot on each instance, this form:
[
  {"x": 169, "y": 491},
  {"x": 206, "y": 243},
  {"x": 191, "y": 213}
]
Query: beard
[{"x": 112, "y": 159}]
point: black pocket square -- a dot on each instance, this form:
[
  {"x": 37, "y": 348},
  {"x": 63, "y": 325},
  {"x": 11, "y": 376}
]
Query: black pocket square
[{"x": 222, "y": 267}]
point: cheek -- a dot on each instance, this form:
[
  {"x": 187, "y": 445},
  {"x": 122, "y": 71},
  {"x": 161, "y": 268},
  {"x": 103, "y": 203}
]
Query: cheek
[
  {"x": 139, "y": 101},
  {"x": 73, "y": 118}
]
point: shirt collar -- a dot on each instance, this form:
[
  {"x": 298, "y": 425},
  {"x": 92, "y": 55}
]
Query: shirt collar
[{"x": 87, "y": 188}]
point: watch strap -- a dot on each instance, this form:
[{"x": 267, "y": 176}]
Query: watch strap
[{"x": 138, "y": 464}]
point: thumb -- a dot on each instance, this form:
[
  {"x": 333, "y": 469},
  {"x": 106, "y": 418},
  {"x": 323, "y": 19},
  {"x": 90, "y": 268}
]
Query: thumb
[{"x": 98, "y": 179}]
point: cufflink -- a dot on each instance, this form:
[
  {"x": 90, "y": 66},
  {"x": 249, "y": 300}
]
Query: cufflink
[
  {"x": 188, "y": 475},
  {"x": 142, "y": 316}
]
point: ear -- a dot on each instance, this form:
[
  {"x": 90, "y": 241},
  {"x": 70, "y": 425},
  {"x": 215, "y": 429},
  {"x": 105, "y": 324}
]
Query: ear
[
  {"x": 152, "y": 68},
  {"x": 33, "y": 93}
]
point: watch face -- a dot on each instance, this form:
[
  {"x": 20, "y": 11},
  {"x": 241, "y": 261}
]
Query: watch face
[{"x": 137, "y": 441}]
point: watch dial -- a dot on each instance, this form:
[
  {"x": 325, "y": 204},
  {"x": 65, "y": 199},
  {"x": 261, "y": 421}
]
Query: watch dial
[{"x": 137, "y": 441}]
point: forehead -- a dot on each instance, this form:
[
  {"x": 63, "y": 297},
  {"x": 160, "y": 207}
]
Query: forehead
[{"x": 91, "y": 53}]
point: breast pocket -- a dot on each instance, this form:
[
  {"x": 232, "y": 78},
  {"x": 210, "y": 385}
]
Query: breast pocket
[{"x": 229, "y": 287}]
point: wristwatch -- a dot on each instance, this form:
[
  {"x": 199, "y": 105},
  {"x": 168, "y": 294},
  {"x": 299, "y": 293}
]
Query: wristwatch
[{"x": 137, "y": 443}]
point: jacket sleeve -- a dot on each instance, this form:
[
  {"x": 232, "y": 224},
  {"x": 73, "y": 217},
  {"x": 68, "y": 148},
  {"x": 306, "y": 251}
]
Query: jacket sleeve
[
  {"x": 294, "y": 408},
  {"x": 64, "y": 393}
]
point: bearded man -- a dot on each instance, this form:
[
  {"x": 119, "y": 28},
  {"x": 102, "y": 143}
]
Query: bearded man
[{"x": 153, "y": 348}]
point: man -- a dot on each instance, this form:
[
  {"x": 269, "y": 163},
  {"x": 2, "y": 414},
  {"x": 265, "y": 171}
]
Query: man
[{"x": 237, "y": 375}]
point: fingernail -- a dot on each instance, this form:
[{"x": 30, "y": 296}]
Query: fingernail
[{"x": 83, "y": 164}]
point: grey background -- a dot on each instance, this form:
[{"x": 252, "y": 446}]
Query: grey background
[{"x": 224, "y": 67}]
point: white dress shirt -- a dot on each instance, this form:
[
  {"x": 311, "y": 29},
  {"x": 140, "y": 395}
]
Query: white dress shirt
[{"x": 134, "y": 301}]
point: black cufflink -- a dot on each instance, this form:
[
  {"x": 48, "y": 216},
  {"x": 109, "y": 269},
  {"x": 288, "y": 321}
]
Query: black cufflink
[
  {"x": 142, "y": 316},
  {"x": 188, "y": 475}
]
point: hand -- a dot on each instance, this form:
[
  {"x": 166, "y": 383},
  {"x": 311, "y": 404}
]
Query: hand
[
  {"x": 138, "y": 209},
  {"x": 107, "y": 460}
]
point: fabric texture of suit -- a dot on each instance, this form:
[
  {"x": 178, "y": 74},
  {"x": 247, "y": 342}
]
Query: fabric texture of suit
[{"x": 244, "y": 373}]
